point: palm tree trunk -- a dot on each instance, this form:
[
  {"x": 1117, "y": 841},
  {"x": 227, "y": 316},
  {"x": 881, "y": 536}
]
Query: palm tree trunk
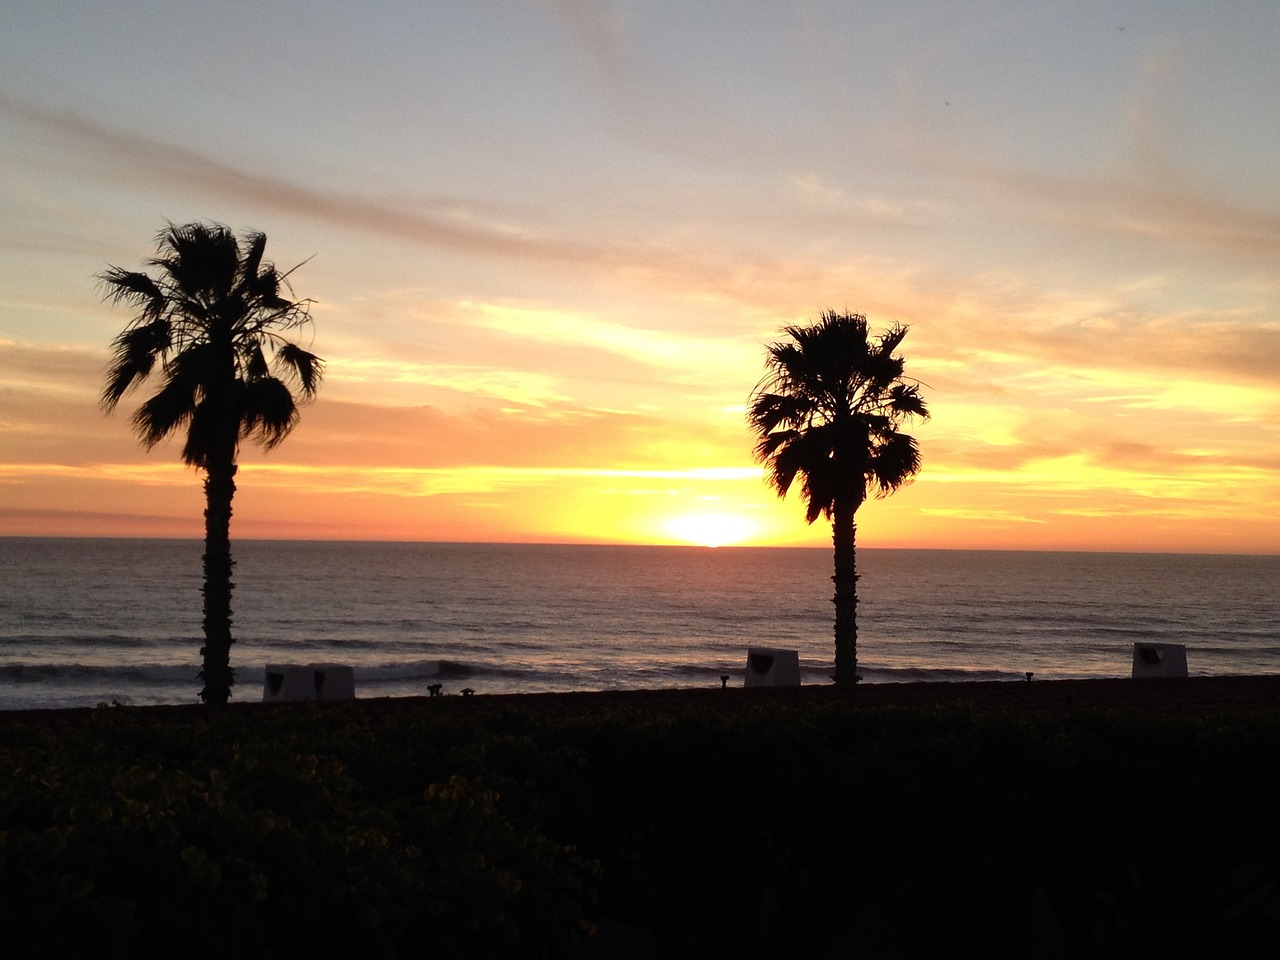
[
  {"x": 219, "y": 488},
  {"x": 843, "y": 533}
]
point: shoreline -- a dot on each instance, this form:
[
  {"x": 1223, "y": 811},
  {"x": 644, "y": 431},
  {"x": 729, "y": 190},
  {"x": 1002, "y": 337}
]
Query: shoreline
[{"x": 1184, "y": 695}]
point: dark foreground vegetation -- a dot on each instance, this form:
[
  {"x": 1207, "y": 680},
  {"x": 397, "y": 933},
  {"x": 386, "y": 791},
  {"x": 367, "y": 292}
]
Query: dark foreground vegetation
[{"x": 481, "y": 827}]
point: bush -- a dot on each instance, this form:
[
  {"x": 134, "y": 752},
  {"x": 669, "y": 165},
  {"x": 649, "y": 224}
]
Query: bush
[{"x": 487, "y": 830}]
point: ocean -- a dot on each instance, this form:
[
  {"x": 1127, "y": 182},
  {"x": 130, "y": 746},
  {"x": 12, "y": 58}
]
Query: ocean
[{"x": 88, "y": 621}]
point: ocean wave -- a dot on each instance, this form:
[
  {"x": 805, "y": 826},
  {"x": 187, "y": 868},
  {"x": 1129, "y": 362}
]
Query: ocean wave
[
  {"x": 420, "y": 670},
  {"x": 14, "y": 642},
  {"x": 131, "y": 673}
]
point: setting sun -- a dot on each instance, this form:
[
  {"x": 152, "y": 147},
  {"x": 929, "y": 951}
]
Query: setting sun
[{"x": 711, "y": 529}]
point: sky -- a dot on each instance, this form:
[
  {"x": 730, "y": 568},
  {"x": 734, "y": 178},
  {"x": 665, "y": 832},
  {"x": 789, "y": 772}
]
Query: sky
[{"x": 548, "y": 241}]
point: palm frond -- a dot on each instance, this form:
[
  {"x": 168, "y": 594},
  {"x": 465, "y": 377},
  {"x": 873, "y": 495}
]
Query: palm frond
[
  {"x": 891, "y": 339},
  {"x": 130, "y": 286},
  {"x": 820, "y": 489},
  {"x": 255, "y": 363},
  {"x": 255, "y": 245},
  {"x": 201, "y": 259},
  {"x": 893, "y": 464},
  {"x": 769, "y": 411},
  {"x": 135, "y": 353},
  {"x": 206, "y": 433},
  {"x": 782, "y": 468},
  {"x": 301, "y": 364},
  {"x": 165, "y": 411},
  {"x": 905, "y": 400},
  {"x": 268, "y": 411}
]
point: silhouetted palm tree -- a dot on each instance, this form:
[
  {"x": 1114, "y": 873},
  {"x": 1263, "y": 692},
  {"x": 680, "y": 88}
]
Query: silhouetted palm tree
[
  {"x": 829, "y": 410},
  {"x": 210, "y": 318}
]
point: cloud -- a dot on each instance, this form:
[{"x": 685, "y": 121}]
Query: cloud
[
  {"x": 430, "y": 481},
  {"x": 54, "y": 368},
  {"x": 1138, "y": 209},
  {"x": 979, "y": 515},
  {"x": 560, "y": 436},
  {"x": 146, "y": 159},
  {"x": 416, "y": 380},
  {"x": 688, "y": 271},
  {"x": 1006, "y": 337},
  {"x": 697, "y": 356},
  {"x": 597, "y": 29},
  {"x": 339, "y": 479},
  {"x": 833, "y": 205}
]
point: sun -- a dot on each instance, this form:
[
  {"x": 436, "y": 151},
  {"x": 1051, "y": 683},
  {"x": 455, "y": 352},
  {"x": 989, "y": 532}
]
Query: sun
[{"x": 710, "y": 529}]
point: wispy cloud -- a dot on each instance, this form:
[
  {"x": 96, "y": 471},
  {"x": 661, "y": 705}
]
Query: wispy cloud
[
  {"x": 54, "y": 367},
  {"x": 146, "y": 159},
  {"x": 691, "y": 270},
  {"x": 983, "y": 516},
  {"x": 557, "y": 436},
  {"x": 597, "y": 29},
  {"x": 670, "y": 350},
  {"x": 414, "y": 381},
  {"x": 1065, "y": 342},
  {"x": 829, "y": 203},
  {"x": 402, "y": 480},
  {"x": 484, "y": 477},
  {"x": 1141, "y": 209}
]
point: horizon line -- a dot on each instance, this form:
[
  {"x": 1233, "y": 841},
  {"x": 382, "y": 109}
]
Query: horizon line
[{"x": 678, "y": 546}]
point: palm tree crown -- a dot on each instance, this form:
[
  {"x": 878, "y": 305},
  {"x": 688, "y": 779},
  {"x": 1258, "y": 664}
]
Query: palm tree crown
[
  {"x": 209, "y": 319},
  {"x": 829, "y": 410}
]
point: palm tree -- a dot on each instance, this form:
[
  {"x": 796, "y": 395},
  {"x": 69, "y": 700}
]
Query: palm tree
[
  {"x": 829, "y": 410},
  {"x": 210, "y": 318}
]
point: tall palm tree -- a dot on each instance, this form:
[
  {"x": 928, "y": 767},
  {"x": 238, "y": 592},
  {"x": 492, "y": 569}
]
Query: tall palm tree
[
  {"x": 828, "y": 410},
  {"x": 210, "y": 318}
]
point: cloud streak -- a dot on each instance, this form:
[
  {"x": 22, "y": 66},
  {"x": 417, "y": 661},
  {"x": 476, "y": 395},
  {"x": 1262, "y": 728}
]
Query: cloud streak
[
  {"x": 597, "y": 30},
  {"x": 146, "y": 159},
  {"x": 758, "y": 280},
  {"x": 1139, "y": 209}
]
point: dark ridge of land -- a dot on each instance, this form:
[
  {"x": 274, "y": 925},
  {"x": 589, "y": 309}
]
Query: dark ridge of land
[{"x": 1192, "y": 696}]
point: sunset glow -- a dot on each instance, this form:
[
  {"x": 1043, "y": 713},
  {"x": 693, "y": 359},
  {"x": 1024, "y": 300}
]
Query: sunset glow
[
  {"x": 547, "y": 242},
  {"x": 711, "y": 529}
]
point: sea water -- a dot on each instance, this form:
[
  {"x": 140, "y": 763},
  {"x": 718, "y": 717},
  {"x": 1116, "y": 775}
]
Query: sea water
[{"x": 100, "y": 621}]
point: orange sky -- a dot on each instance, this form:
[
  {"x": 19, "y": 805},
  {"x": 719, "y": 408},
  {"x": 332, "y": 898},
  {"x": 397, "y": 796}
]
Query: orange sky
[{"x": 549, "y": 245}]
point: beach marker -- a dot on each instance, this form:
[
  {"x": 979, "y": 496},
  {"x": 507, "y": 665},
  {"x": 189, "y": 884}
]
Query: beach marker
[
  {"x": 1159, "y": 660},
  {"x": 312, "y": 681},
  {"x": 773, "y": 668}
]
